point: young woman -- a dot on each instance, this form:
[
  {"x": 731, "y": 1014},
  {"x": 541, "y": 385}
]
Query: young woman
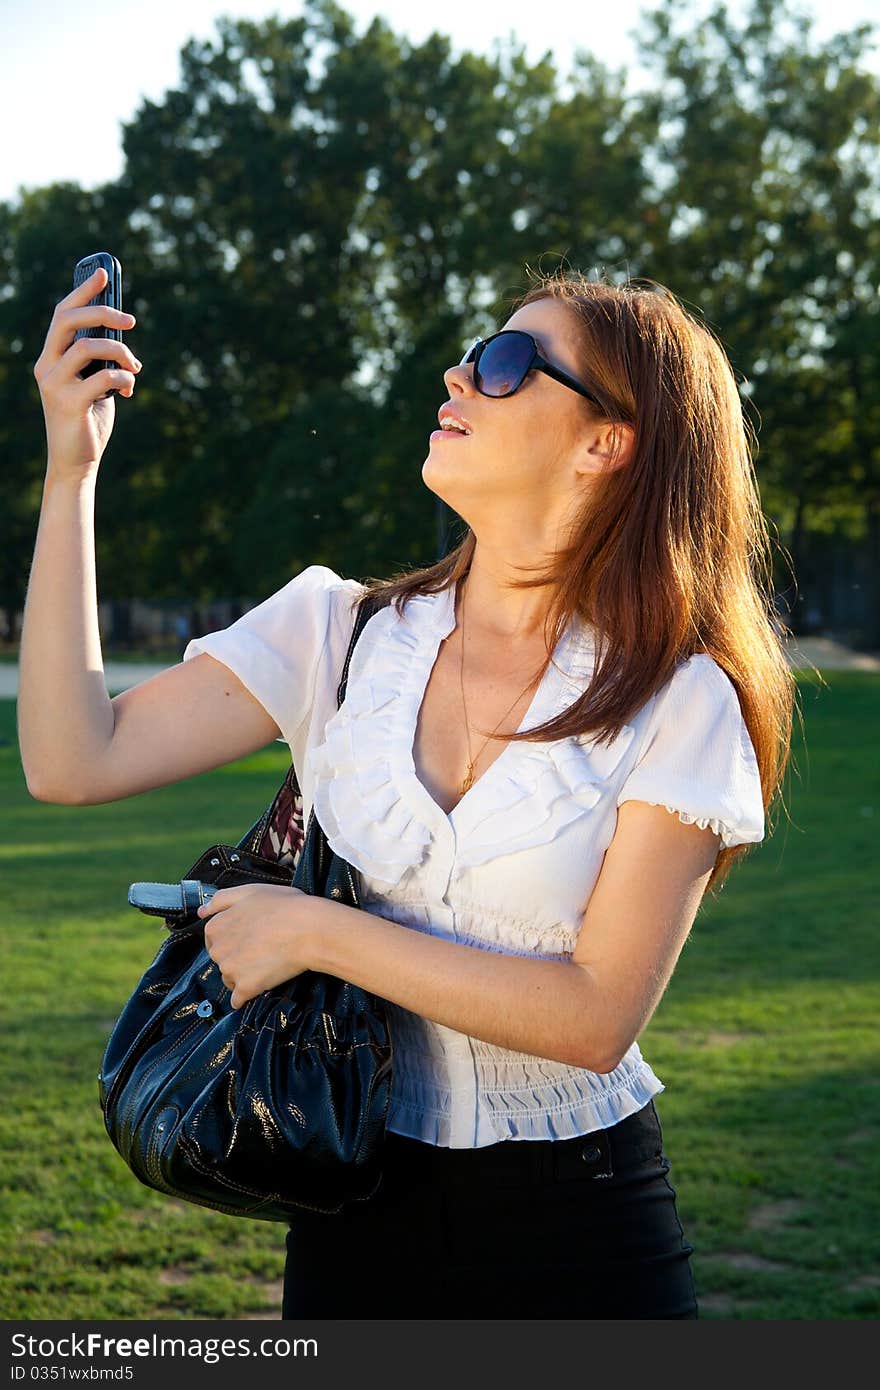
[{"x": 552, "y": 743}]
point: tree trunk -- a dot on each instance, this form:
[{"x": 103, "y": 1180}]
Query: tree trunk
[
  {"x": 872, "y": 624},
  {"x": 120, "y": 623},
  {"x": 798, "y": 561}
]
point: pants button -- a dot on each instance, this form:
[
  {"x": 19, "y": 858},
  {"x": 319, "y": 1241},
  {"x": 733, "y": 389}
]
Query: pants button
[{"x": 591, "y": 1153}]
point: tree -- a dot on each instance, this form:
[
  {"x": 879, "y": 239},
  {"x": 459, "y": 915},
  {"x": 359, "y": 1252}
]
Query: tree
[
  {"x": 316, "y": 221},
  {"x": 766, "y": 187}
]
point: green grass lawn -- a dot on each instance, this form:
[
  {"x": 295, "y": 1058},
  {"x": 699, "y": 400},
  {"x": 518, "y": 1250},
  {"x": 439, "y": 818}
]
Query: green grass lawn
[{"x": 766, "y": 1040}]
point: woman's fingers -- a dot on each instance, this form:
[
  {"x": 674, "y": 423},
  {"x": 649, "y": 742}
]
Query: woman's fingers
[
  {"x": 109, "y": 349},
  {"x": 97, "y": 385},
  {"x": 81, "y": 294},
  {"x": 75, "y": 312},
  {"x": 66, "y": 324},
  {"x": 79, "y": 411},
  {"x": 68, "y": 369},
  {"x": 95, "y": 316}
]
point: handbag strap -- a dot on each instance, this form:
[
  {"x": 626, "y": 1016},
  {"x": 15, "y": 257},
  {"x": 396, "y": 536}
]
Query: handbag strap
[
  {"x": 290, "y": 786},
  {"x": 319, "y": 867},
  {"x": 366, "y": 608}
]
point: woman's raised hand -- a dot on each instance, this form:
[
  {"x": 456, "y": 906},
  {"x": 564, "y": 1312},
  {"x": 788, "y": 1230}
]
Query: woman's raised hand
[{"x": 78, "y": 422}]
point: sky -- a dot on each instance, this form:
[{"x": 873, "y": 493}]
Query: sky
[{"x": 71, "y": 73}]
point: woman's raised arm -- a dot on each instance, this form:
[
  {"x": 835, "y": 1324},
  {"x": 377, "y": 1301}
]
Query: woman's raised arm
[{"x": 77, "y": 745}]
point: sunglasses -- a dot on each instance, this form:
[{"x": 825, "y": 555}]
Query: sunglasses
[{"x": 503, "y": 361}]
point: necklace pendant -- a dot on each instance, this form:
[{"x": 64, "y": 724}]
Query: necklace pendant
[{"x": 469, "y": 779}]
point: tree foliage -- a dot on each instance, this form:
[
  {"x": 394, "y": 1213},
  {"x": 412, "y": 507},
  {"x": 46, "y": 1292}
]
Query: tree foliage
[{"x": 315, "y": 222}]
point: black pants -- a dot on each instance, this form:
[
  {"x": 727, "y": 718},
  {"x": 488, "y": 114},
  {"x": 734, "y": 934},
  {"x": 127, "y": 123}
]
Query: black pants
[{"x": 566, "y": 1228}]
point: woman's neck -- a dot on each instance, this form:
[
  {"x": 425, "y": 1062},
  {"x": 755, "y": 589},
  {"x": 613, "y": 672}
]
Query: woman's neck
[{"x": 498, "y": 610}]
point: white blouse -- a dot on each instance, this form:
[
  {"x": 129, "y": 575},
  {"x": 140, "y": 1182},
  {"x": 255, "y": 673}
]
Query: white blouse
[{"x": 512, "y": 866}]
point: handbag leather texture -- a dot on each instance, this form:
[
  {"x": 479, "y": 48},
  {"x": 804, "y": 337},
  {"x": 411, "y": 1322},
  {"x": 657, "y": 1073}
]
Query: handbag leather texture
[{"x": 273, "y": 1108}]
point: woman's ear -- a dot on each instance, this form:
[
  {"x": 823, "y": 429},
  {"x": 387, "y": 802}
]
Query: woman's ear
[{"x": 607, "y": 446}]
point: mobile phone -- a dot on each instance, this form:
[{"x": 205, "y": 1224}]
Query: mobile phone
[
  {"x": 175, "y": 900},
  {"x": 111, "y": 294}
]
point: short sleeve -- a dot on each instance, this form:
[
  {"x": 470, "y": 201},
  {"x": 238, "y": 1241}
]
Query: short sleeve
[
  {"x": 276, "y": 648},
  {"x": 697, "y": 758}
]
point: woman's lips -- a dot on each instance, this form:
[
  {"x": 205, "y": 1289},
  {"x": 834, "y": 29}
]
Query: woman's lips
[{"x": 447, "y": 434}]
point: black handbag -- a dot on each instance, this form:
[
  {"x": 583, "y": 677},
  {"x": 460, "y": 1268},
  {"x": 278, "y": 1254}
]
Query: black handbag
[{"x": 272, "y": 1108}]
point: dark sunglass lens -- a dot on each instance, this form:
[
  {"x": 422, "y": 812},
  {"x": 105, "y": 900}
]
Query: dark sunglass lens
[{"x": 503, "y": 364}]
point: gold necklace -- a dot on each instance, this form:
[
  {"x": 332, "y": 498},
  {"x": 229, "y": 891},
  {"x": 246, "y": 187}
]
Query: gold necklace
[{"x": 469, "y": 776}]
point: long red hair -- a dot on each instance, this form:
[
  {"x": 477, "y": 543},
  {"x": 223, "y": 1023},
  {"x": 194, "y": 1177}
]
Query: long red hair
[{"x": 671, "y": 554}]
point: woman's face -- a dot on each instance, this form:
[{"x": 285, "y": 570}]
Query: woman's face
[{"x": 523, "y": 463}]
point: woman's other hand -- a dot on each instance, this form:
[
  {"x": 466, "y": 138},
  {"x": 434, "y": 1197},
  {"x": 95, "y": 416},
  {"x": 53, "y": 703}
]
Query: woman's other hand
[{"x": 259, "y": 935}]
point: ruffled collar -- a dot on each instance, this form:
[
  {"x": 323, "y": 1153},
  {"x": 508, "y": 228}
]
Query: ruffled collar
[{"x": 372, "y": 806}]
